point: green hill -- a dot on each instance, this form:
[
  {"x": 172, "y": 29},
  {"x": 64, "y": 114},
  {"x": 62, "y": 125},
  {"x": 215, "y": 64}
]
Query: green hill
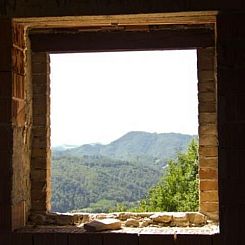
[{"x": 95, "y": 177}]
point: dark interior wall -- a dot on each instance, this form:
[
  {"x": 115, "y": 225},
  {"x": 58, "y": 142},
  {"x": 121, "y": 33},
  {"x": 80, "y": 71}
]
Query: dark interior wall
[
  {"x": 231, "y": 125},
  {"x": 231, "y": 92},
  {"x": 29, "y": 8}
]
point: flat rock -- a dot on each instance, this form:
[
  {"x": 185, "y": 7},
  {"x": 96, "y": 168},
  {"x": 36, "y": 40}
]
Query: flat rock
[
  {"x": 180, "y": 219},
  {"x": 102, "y": 225},
  {"x": 132, "y": 223},
  {"x": 64, "y": 219},
  {"x": 162, "y": 217},
  {"x": 124, "y": 216},
  {"x": 197, "y": 218},
  {"x": 146, "y": 222}
]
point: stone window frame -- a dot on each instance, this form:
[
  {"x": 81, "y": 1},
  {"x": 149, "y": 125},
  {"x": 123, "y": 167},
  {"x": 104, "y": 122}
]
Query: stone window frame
[{"x": 35, "y": 64}]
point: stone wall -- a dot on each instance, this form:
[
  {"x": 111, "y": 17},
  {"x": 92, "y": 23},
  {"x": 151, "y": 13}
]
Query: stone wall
[
  {"x": 21, "y": 125},
  {"x": 231, "y": 89},
  {"x": 208, "y": 167},
  {"x": 40, "y": 158},
  {"x": 208, "y": 138}
]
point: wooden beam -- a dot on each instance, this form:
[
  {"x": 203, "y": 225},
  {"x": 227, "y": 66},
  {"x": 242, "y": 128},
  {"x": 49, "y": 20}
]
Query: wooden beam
[
  {"x": 199, "y": 17},
  {"x": 121, "y": 40}
]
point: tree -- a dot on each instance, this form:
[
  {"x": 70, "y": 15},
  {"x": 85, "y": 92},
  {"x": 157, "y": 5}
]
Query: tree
[{"x": 177, "y": 189}]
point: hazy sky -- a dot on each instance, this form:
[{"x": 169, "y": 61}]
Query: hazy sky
[{"x": 98, "y": 97}]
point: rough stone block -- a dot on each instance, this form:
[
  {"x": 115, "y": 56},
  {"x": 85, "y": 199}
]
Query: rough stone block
[
  {"x": 40, "y": 68},
  {"x": 207, "y": 107},
  {"x": 207, "y": 118},
  {"x": 40, "y": 57},
  {"x": 180, "y": 219},
  {"x": 208, "y": 185},
  {"x": 208, "y": 162},
  {"x": 196, "y": 218},
  {"x": 209, "y": 196},
  {"x": 205, "y": 151},
  {"x": 208, "y": 140},
  {"x": 208, "y": 86},
  {"x": 206, "y": 97},
  {"x": 64, "y": 219},
  {"x": 104, "y": 224},
  {"x": 205, "y": 75},
  {"x": 162, "y": 217},
  {"x": 132, "y": 223},
  {"x": 208, "y": 129},
  {"x": 209, "y": 207},
  {"x": 208, "y": 173},
  {"x": 206, "y": 59}
]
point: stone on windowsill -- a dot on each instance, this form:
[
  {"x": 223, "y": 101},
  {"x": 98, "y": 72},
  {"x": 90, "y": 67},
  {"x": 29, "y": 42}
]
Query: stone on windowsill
[{"x": 102, "y": 225}]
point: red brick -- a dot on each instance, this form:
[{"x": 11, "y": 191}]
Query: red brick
[
  {"x": 207, "y": 107},
  {"x": 208, "y": 185},
  {"x": 208, "y": 140},
  {"x": 205, "y": 118},
  {"x": 209, "y": 196},
  {"x": 208, "y": 162},
  {"x": 208, "y": 129},
  {"x": 208, "y": 173},
  {"x": 209, "y": 207},
  {"x": 211, "y": 151}
]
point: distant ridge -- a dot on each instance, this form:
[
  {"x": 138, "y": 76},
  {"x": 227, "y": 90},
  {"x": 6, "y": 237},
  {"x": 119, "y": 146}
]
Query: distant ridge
[
  {"x": 95, "y": 177},
  {"x": 135, "y": 143}
]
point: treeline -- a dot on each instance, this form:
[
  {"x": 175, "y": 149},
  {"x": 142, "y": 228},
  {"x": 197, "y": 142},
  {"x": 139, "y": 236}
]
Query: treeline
[
  {"x": 118, "y": 176},
  {"x": 97, "y": 183},
  {"x": 177, "y": 189}
]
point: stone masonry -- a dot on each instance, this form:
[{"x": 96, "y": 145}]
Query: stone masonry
[{"x": 30, "y": 127}]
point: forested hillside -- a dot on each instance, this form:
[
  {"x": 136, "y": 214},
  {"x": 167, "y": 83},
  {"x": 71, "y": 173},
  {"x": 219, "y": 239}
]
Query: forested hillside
[{"x": 95, "y": 178}]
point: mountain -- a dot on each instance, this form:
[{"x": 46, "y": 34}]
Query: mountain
[
  {"x": 95, "y": 177},
  {"x": 135, "y": 144}
]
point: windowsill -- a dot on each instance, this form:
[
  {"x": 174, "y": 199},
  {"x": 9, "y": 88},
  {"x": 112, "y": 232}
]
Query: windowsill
[
  {"x": 70, "y": 223},
  {"x": 210, "y": 229}
]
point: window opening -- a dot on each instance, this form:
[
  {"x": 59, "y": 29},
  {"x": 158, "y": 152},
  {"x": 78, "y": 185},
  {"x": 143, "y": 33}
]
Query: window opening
[{"x": 116, "y": 120}]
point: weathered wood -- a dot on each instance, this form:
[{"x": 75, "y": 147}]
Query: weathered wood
[
  {"x": 21, "y": 238},
  {"x": 119, "y": 41},
  {"x": 120, "y": 239},
  {"x": 95, "y": 239},
  {"x": 156, "y": 239},
  {"x": 50, "y": 239},
  {"x": 231, "y": 127},
  {"x": 194, "y": 239},
  {"x": 78, "y": 239},
  {"x": 5, "y": 238},
  {"x": 102, "y": 225},
  {"x": 203, "y": 17}
]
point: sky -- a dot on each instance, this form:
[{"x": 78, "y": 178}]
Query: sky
[{"x": 99, "y": 97}]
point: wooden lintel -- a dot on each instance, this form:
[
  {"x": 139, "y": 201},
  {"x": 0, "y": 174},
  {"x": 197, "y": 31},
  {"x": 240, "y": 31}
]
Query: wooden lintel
[{"x": 121, "y": 40}]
